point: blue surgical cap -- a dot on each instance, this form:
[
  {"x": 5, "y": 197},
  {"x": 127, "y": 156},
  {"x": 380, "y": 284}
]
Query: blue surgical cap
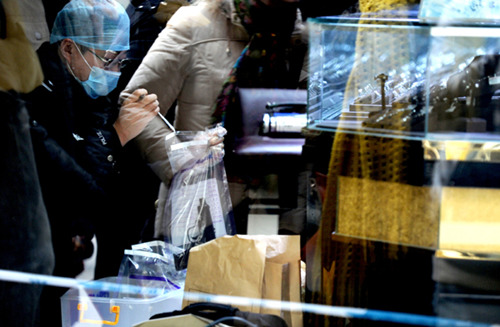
[{"x": 97, "y": 24}]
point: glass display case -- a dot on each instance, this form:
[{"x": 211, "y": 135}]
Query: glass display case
[
  {"x": 401, "y": 77},
  {"x": 391, "y": 76}
]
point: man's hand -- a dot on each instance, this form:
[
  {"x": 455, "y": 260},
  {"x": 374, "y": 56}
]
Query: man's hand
[{"x": 137, "y": 110}]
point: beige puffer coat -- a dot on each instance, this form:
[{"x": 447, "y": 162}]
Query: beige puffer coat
[{"x": 188, "y": 62}]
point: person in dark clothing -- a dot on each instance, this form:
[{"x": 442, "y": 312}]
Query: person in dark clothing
[
  {"x": 24, "y": 226},
  {"x": 79, "y": 135}
]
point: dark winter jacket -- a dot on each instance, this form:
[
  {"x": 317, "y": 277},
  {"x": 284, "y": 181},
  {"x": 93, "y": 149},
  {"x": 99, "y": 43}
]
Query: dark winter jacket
[{"x": 76, "y": 151}]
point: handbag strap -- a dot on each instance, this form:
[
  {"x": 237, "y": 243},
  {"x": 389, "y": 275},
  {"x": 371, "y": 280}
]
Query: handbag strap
[
  {"x": 244, "y": 321},
  {"x": 211, "y": 309}
]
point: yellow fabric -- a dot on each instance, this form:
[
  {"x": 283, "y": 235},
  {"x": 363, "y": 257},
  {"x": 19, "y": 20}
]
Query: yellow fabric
[
  {"x": 388, "y": 211},
  {"x": 19, "y": 65},
  {"x": 367, "y": 6}
]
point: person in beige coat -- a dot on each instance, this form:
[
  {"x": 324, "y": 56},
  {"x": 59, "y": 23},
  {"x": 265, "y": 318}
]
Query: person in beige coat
[{"x": 187, "y": 65}]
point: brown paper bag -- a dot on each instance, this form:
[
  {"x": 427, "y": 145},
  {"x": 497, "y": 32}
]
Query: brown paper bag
[{"x": 254, "y": 266}]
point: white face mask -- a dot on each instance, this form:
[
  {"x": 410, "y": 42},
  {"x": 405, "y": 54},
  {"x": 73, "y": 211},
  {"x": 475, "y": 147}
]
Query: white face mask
[{"x": 100, "y": 82}]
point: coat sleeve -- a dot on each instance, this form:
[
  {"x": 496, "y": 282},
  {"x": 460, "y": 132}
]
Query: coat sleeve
[
  {"x": 162, "y": 72},
  {"x": 151, "y": 144}
]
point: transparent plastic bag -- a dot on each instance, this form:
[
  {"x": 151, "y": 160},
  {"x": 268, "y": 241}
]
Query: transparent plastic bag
[
  {"x": 168, "y": 252},
  {"x": 198, "y": 207},
  {"x": 150, "y": 269}
]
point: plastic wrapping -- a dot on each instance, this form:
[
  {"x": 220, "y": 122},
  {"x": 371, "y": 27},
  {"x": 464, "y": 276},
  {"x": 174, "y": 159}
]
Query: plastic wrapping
[
  {"x": 151, "y": 265},
  {"x": 168, "y": 252},
  {"x": 198, "y": 207}
]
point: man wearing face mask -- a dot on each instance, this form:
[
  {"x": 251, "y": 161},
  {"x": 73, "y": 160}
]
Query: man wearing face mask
[{"x": 79, "y": 137}]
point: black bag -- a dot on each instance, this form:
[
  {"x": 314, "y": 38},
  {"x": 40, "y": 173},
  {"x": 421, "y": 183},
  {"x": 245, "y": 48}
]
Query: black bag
[{"x": 227, "y": 314}]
